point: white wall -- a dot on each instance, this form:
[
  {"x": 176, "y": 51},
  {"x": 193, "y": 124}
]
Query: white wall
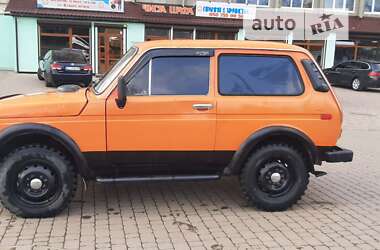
[{"x": 3, "y": 4}]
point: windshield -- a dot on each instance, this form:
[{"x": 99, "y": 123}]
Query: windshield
[{"x": 114, "y": 71}]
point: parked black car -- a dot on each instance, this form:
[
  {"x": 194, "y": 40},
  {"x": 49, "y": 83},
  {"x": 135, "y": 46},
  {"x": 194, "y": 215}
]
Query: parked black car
[
  {"x": 359, "y": 75},
  {"x": 64, "y": 66}
]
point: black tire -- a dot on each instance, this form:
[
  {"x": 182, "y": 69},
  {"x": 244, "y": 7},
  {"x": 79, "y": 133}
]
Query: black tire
[
  {"x": 274, "y": 160},
  {"x": 39, "y": 75},
  {"x": 49, "y": 83},
  {"x": 54, "y": 183}
]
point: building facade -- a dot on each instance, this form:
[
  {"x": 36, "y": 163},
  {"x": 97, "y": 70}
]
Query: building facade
[{"x": 29, "y": 31}]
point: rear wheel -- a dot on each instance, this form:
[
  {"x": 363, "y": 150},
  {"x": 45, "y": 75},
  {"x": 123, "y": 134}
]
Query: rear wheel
[
  {"x": 356, "y": 84},
  {"x": 49, "y": 83},
  {"x": 36, "y": 181},
  {"x": 275, "y": 177}
]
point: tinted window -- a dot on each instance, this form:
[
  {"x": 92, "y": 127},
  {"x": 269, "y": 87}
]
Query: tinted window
[
  {"x": 180, "y": 75},
  {"x": 139, "y": 84},
  {"x": 258, "y": 75},
  {"x": 346, "y": 65},
  {"x": 68, "y": 56},
  {"x": 359, "y": 65},
  {"x": 376, "y": 67},
  {"x": 47, "y": 55},
  {"x": 315, "y": 76},
  {"x": 363, "y": 66}
]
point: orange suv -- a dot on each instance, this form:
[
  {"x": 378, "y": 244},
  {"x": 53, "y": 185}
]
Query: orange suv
[{"x": 175, "y": 110}]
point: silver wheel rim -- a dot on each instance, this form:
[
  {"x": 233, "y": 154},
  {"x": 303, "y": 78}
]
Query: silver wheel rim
[{"x": 356, "y": 84}]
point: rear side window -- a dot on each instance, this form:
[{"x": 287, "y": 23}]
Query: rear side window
[
  {"x": 258, "y": 75},
  {"x": 315, "y": 76}
]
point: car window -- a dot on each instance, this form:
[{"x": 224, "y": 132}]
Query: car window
[
  {"x": 258, "y": 75},
  {"x": 47, "y": 55},
  {"x": 172, "y": 76},
  {"x": 180, "y": 75},
  {"x": 139, "y": 84},
  {"x": 315, "y": 75},
  {"x": 345, "y": 65},
  {"x": 69, "y": 56},
  {"x": 114, "y": 71},
  {"x": 376, "y": 67},
  {"x": 363, "y": 65}
]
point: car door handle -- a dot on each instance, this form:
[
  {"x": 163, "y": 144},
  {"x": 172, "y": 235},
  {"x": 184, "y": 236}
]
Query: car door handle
[{"x": 203, "y": 106}]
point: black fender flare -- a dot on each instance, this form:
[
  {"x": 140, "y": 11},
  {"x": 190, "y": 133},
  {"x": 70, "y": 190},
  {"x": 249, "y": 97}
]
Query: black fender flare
[
  {"x": 261, "y": 135},
  {"x": 10, "y": 133}
]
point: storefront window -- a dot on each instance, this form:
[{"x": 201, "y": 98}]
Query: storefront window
[
  {"x": 297, "y": 3},
  {"x": 164, "y": 33},
  {"x": 372, "y": 6},
  {"x": 50, "y": 42},
  {"x": 256, "y": 2},
  {"x": 340, "y": 4},
  {"x": 183, "y": 34},
  {"x": 315, "y": 48},
  {"x": 344, "y": 51},
  {"x": 156, "y": 33},
  {"x": 214, "y": 35},
  {"x": 57, "y": 36}
]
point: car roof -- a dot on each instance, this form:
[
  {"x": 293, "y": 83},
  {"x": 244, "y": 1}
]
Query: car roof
[
  {"x": 218, "y": 44},
  {"x": 363, "y": 60},
  {"x": 67, "y": 50},
  {"x": 369, "y": 61}
]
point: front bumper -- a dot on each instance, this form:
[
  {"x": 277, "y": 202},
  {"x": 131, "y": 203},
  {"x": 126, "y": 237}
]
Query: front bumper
[{"x": 335, "y": 154}]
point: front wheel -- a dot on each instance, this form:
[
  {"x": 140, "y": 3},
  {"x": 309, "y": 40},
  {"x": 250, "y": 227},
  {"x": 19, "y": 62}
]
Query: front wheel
[
  {"x": 275, "y": 177},
  {"x": 36, "y": 181},
  {"x": 39, "y": 75}
]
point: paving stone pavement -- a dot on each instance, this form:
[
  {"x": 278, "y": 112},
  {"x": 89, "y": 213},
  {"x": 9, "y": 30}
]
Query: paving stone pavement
[{"x": 339, "y": 211}]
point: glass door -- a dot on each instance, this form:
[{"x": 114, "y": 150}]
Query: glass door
[{"x": 110, "y": 46}]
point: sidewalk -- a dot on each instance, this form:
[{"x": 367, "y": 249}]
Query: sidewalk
[{"x": 13, "y": 83}]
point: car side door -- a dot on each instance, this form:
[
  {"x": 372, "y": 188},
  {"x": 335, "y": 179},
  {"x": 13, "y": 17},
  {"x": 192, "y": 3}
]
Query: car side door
[
  {"x": 345, "y": 71},
  {"x": 333, "y": 74},
  {"x": 168, "y": 124}
]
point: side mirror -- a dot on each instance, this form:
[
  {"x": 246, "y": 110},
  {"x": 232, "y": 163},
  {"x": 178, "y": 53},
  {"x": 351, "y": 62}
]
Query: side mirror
[{"x": 121, "y": 99}]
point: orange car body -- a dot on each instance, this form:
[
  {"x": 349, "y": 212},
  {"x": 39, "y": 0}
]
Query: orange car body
[{"x": 170, "y": 124}]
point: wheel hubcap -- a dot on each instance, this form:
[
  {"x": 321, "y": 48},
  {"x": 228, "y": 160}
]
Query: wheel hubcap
[
  {"x": 274, "y": 177},
  {"x": 356, "y": 84},
  {"x": 36, "y": 184}
]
